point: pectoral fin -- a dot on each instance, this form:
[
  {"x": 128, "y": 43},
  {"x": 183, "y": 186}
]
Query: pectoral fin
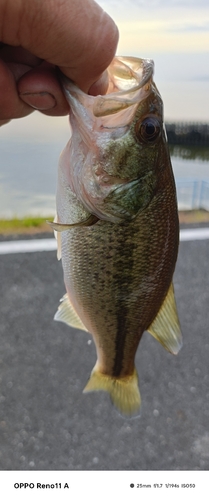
[
  {"x": 59, "y": 249},
  {"x": 58, "y": 238},
  {"x": 165, "y": 327},
  {"x": 92, "y": 219},
  {"x": 67, "y": 314}
]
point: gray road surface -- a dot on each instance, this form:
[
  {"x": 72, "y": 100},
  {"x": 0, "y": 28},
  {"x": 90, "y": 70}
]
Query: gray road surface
[{"x": 46, "y": 423}]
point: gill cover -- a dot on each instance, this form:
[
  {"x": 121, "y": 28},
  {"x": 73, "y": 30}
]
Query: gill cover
[{"x": 106, "y": 153}]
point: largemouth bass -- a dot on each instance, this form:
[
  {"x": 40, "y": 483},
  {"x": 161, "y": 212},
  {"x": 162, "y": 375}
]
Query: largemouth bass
[{"x": 117, "y": 224}]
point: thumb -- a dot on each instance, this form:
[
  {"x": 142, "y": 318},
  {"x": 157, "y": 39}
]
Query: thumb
[{"x": 79, "y": 37}]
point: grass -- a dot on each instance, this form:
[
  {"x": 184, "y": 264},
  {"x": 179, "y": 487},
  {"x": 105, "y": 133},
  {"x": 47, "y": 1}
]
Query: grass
[
  {"x": 26, "y": 225},
  {"x": 193, "y": 216},
  {"x": 32, "y": 225}
]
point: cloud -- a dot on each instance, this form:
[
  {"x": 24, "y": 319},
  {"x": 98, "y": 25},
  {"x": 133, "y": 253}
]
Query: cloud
[
  {"x": 201, "y": 78},
  {"x": 160, "y": 36},
  {"x": 187, "y": 28},
  {"x": 161, "y": 25},
  {"x": 106, "y": 4}
]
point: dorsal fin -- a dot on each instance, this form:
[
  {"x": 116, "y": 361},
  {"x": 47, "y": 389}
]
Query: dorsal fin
[
  {"x": 165, "y": 327},
  {"x": 67, "y": 314}
]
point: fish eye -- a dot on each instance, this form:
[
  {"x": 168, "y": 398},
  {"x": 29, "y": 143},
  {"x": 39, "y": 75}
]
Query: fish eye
[{"x": 148, "y": 130}]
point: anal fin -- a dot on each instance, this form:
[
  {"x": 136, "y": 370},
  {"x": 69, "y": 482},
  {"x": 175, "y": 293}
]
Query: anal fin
[
  {"x": 67, "y": 314},
  {"x": 165, "y": 327}
]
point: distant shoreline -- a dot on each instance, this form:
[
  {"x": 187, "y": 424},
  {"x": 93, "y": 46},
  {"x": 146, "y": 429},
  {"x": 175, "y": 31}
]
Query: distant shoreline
[{"x": 188, "y": 133}]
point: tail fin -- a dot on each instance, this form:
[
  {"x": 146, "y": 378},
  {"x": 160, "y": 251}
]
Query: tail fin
[{"x": 124, "y": 391}]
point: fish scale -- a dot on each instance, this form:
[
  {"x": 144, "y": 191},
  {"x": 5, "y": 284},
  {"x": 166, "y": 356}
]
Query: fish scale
[
  {"x": 130, "y": 277},
  {"x": 117, "y": 215}
]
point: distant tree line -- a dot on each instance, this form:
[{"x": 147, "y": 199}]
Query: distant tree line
[{"x": 196, "y": 134}]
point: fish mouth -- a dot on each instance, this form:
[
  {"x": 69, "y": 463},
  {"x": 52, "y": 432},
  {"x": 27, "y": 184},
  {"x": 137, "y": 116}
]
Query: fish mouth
[
  {"x": 130, "y": 81},
  {"x": 129, "y": 74}
]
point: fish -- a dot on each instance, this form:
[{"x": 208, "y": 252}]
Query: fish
[{"x": 117, "y": 226}]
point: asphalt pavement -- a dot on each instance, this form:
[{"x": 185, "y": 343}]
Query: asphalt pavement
[{"x": 46, "y": 423}]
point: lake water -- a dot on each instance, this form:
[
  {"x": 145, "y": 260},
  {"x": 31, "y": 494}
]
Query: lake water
[{"x": 30, "y": 151}]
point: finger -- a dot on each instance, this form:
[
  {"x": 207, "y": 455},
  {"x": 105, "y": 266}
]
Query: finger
[
  {"x": 18, "y": 55},
  {"x": 40, "y": 89},
  {"x": 11, "y": 106},
  {"x": 100, "y": 86},
  {"x": 79, "y": 37}
]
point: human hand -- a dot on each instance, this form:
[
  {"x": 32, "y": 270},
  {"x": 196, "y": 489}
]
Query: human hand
[{"x": 37, "y": 36}]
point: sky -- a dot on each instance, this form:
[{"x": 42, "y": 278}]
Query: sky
[
  {"x": 175, "y": 33},
  {"x": 160, "y": 26}
]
